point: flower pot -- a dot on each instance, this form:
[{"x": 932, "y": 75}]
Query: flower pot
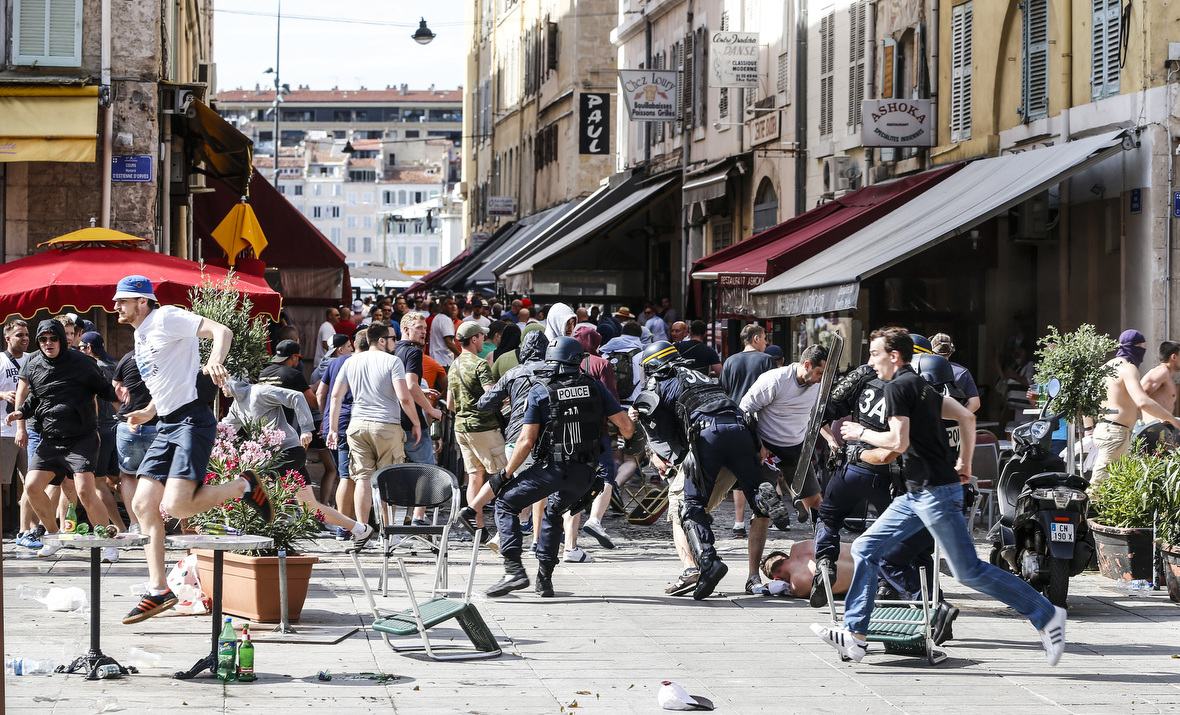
[
  {"x": 1123, "y": 553},
  {"x": 251, "y": 584},
  {"x": 1171, "y": 553}
]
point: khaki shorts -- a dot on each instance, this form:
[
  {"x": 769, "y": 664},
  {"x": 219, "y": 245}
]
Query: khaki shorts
[
  {"x": 1112, "y": 442},
  {"x": 482, "y": 450},
  {"x": 373, "y": 445},
  {"x": 725, "y": 483},
  {"x": 12, "y": 459}
]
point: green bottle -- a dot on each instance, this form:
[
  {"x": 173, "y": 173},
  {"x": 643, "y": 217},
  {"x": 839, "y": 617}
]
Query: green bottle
[
  {"x": 71, "y": 524},
  {"x": 246, "y": 657},
  {"x": 226, "y": 649}
]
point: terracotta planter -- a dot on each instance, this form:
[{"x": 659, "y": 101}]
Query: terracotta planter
[
  {"x": 251, "y": 584},
  {"x": 1171, "y": 553},
  {"x": 1123, "y": 553}
]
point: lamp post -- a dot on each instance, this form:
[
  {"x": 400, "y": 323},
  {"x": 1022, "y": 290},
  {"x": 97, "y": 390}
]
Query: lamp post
[{"x": 278, "y": 87}]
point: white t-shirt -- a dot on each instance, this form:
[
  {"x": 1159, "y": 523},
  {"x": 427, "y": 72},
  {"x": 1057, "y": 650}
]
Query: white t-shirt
[
  {"x": 440, "y": 328},
  {"x": 371, "y": 375},
  {"x": 9, "y": 370},
  {"x": 168, "y": 356},
  {"x": 783, "y": 406},
  {"x": 327, "y": 330}
]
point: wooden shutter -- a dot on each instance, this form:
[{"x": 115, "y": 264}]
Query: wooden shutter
[
  {"x": 827, "y": 51},
  {"x": 723, "y": 93},
  {"x": 551, "y": 45},
  {"x": 47, "y": 33},
  {"x": 1106, "y": 41},
  {"x": 688, "y": 79},
  {"x": 701, "y": 78},
  {"x": 856, "y": 59},
  {"x": 1035, "y": 97},
  {"x": 961, "y": 38}
]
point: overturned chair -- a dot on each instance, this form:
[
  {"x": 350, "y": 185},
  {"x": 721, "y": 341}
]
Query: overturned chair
[
  {"x": 424, "y": 485},
  {"x": 904, "y": 627}
]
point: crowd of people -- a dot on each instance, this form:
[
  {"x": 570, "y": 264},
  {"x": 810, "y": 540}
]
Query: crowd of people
[{"x": 552, "y": 409}]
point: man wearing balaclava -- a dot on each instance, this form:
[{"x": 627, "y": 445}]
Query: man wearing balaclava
[{"x": 1125, "y": 400}]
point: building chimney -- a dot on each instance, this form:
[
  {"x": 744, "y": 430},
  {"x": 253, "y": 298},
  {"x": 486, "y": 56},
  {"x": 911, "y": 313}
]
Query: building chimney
[{"x": 405, "y": 88}]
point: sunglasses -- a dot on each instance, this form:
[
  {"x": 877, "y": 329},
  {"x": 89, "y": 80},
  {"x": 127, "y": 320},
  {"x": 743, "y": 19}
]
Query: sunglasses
[{"x": 42, "y": 339}]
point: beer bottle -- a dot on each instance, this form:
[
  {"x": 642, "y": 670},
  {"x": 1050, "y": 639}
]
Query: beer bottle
[
  {"x": 71, "y": 524},
  {"x": 226, "y": 650},
  {"x": 246, "y": 657}
]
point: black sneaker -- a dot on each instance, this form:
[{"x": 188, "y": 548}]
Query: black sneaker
[
  {"x": 466, "y": 519},
  {"x": 885, "y": 592},
  {"x": 514, "y": 579},
  {"x": 149, "y": 606},
  {"x": 942, "y": 622},
  {"x": 685, "y": 583},
  {"x": 359, "y": 540},
  {"x": 711, "y": 575},
  {"x": 258, "y": 498},
  {"x": 771, "y": 504},
  {"x": 755, "y": 587},
  {"x": 819, "y": 595},
  {"x": 739, "y": 532}
]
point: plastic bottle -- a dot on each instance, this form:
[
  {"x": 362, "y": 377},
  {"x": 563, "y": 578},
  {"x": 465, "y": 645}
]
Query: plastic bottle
[
  {"x": 246, "y": 657},
  {"x": 71, "y": 524},
  {"x": 226, "y": 650},
  {"x": 1137, "y": 588},
  {"x": 27, "y": 666}
]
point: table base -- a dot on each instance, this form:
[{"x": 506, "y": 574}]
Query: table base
[
  {"x": 90, "y": 663},
  {"x": 208, "y": 663}
]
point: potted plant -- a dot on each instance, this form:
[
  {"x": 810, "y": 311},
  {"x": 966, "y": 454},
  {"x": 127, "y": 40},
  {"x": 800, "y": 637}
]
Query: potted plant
[
  {"x": 1125, "y": 504},
  {"x": 1169, "y": 524},
  {"x": 1078, "y": 361},
  {"x": 252, "y": 578}
]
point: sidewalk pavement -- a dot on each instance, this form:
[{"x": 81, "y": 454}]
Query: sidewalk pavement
[{"x": 603, "y": 645}]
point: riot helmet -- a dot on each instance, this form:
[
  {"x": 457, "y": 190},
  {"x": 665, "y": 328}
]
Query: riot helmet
[
  {"x": 658, "y": 357},
  {"x": 921, "y": 345},
  {"x": 937, "y": 370},
  {"x": 565, "y": 355}
]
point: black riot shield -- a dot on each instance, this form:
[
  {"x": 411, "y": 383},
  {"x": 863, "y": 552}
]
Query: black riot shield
[{"x": 835, "y": 350}]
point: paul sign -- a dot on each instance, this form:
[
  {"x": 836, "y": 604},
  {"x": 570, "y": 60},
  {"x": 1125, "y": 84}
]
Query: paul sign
[
  {"x": 897, "y": 123},
  {"x": 650, "y": 95}
]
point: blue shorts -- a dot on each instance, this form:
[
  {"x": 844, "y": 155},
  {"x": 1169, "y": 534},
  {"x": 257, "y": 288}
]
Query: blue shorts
[
  {"x": 184, "y": 440},
  {"x": 133, "y": 445},
  {"x": 108, "y": 463}
]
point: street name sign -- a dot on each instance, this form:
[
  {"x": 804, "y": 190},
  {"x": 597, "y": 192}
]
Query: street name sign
[{"x": 131, "y": 167}]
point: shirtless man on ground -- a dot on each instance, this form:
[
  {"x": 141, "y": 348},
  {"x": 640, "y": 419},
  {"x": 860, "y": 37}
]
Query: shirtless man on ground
[
  {"x": 791, "y": 574},
  {"x": 1125, "y": 401},
  {"x": 1160, "y": 382}
]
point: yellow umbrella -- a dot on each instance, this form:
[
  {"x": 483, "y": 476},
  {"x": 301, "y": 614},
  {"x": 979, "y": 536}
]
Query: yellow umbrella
[{"x": 240, "y": 230}]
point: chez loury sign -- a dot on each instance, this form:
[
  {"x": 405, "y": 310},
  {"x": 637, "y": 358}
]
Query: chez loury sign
[{"x": 897, "y": 123}]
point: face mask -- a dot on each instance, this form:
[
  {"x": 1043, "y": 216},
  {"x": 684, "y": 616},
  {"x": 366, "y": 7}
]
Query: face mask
[{"x": 1132, "y": 353}]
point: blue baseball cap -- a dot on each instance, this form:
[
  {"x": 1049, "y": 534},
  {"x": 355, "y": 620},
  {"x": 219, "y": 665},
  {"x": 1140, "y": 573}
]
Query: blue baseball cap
[
  {"x": 134, "y": 287},
  {"x": 774, "y": 351}
]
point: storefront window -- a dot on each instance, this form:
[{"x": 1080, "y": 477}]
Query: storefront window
[{"x": 821, "y": 330}]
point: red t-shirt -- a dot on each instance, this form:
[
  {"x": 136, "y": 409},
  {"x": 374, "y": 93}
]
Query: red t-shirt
[{"x": 345, "y": 327}]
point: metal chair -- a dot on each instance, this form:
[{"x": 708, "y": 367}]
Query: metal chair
[
  {"x": 986, "y": 467},
  {"x": 413, "y": 485}
]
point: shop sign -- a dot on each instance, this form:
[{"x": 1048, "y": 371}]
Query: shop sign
[
  {"x": 501, "y": 206},
  {"x": 1136, "y": 201},
  {"x": 734, "y": 61},
  {"x": 764, "y": 128},
  {"x": 131, "y": 167},
  {"x": 650, "y": 95},
  {"x": 594, "y": 123},
  {"x": 808, "y": 302},
  {"x": 733, "y": 293},
  {"x": 897, "y": 123}
]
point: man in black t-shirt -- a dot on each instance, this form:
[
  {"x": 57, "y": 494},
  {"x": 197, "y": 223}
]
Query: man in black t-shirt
[
  {"x": 705, "y": 359},
  {"x": 933, "y": 498}
]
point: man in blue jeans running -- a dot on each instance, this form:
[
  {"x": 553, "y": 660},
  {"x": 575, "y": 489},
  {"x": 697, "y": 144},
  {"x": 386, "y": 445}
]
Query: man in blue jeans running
[{"x": 934, "y": 499}]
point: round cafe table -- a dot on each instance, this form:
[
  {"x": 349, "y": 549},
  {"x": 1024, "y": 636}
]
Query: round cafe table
[
  {"x": 90, "y": 662},
  {"x": 218, "y": 544}
]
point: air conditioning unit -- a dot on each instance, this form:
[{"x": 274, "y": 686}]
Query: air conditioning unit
[
  {"x": 1029, "y": 220},
  {"x": 840, "y": 172}
]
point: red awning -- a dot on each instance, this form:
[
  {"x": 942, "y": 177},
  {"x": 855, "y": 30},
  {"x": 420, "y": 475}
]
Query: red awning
[
  {"x": 311, "y": 271},
  {"x": 749, "y": 263},
  {"x": 433, "y": 277},
  {"x": 84, "y": 278}
]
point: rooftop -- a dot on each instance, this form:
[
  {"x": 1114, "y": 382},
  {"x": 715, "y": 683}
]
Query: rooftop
[{"x": 306, "y": 95}]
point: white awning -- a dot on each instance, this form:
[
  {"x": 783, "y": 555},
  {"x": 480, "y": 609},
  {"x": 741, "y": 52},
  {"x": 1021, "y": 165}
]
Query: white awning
[
  {"x": 709, "y": 186},
  {"x": 830, "y": 280}
]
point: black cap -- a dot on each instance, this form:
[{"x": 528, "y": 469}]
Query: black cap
[
  {"x": 284, "y": 350},
  {"x": 338, "y": 341}
]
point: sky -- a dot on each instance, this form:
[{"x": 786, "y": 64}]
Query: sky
[{"x": 323, "y": 53}]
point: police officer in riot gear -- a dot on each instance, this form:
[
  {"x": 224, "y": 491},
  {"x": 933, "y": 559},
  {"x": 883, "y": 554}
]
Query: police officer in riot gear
[
  {"x": 714, "y": 430},
  {"x": 562, "y": 431}
]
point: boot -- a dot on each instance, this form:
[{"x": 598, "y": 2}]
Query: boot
[
  {"x": 514, "y": 579},
  {"x": 545, "y": 580},
  {"x": 819, "y": 595},
  {"x": 712, "y": 571},
  {"x": 771, "y": 504}
]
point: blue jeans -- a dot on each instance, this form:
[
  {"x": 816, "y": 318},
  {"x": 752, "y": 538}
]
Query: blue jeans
[
  {"x": 939, "y": 509},
  {"x": 133, "y": 445},
  {"x": 851, "y": 486},
  {"x": 422, "y": 452}
]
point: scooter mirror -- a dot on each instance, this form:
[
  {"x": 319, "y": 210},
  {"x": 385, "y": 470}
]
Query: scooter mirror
[{"x": 1054, "y": 388}]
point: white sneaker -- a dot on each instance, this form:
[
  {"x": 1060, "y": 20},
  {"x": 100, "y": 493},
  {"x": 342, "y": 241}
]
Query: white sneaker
[
  {"x": 577, "y": 556},
  {"x": 1053, "y": 636},
  {"x": 595, "y": 529},
  {"x": 110, "y": 555},
  {"x": 133, "y": 529},
  {"x": 49, "y": 550},
  {"x": 494, "y": 543},
  {"x": 841, "y": 639}
]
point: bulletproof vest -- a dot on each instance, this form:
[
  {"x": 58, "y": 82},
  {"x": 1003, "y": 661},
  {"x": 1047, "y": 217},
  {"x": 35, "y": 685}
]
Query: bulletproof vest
[
  {"x": 869, "y": 409},
  {"x": 574, "y": 430},
  {"x": 700, "y": 396}
]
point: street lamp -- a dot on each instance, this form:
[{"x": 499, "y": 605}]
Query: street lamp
[{"x": 423, "y": 35}]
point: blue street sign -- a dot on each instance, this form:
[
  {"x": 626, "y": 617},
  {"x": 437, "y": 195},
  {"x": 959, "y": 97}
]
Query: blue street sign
[
  {"x": 1136, "y": 200},
  {"x": 131, "y": 167},
  {"x": 1176, "y": 204}
]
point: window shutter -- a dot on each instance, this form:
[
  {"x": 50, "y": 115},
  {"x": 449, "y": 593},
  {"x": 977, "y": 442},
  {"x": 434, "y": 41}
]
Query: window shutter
[
  {"x": 1106, "y": 42},
  {"x": 688, "y": 79},
  {"x": 888, "y": 67},
  {"x": 701, "y": 78},
  {"x": 551, "y": 45},
  {"x": 784, "y": 75},
  {"x": 1036, "y": 60},
  {"x": 827, "y": 48},
  {"x": 723, "y": 93},
  {"x": 660, "y": 61},
  {"x": 961, "y": 38},
  {"x": 856, "y": 58},
  {"x": 47, "y": 33}
]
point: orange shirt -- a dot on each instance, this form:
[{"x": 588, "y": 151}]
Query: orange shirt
[{"x": 432, "y": 371}]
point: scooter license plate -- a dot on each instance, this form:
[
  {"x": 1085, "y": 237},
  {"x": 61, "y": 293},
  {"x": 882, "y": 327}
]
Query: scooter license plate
[{"x": 1062, "y": 532}]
